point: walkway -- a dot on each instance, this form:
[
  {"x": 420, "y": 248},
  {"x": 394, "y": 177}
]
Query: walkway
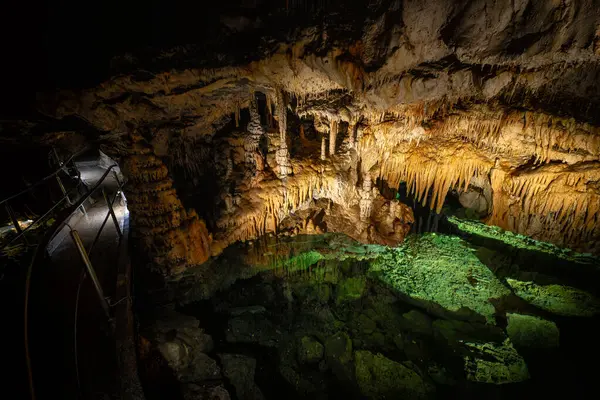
[{"x": 53, "y": 300}]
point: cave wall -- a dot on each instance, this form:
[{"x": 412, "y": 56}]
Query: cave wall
[{"x": 500, "y": 97}]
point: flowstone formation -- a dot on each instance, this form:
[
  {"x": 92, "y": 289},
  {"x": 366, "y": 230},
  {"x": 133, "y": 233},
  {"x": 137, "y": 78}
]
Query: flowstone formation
[{"x": 299, "y": 130}]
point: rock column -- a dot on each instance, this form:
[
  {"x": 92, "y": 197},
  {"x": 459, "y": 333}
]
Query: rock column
[
  {"x": 252, "y": 140},
  {"x": 282, "y": 157},
  {"x": 173, "y": 238},
  {"x": 333, "y": 131}
]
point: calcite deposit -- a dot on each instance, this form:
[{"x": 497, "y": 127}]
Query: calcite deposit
[{"x": 495, "y": 102}]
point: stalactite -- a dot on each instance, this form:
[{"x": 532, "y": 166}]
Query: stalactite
[
  {"x": 252, "y": 139},
  {"x": 351, "y": 134},
  {"x": 281, "y": 110},
  {"x": 557, "y": 202},
  {"x": 333, "y": 131},
  {"x": 282, "y": 156},
  {"x": 269, "y": 205},
  {"x": 429, "y": 179},
  {"x": 237, "y": 115},
  {"x": 323, "y": 148}
]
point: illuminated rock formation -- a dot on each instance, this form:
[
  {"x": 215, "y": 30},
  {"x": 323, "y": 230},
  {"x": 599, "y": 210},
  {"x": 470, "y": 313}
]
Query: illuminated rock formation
[
  {"x": 495, "y": 103},
  {"x": 171, "y": 237}
]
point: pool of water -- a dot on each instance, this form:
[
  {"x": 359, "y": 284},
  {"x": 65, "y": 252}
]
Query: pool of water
[{"x": 477, "y": 313}]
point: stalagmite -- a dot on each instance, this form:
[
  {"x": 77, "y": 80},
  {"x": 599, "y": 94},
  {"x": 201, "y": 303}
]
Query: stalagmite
[
  {"x": 323, "y": 149},
  {"x": 171, "y": 236},
  {"x": 366, "y": 198}
]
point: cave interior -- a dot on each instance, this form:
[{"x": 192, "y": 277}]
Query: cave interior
[{"x": 315, "y": 198}]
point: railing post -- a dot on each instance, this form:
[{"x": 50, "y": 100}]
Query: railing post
[
  {"x": 90, "y": 271},
  {"x": 117, "y": 179},
  {"x": 112, "y": 213},
  {"x": 63, "y": 190},
  {"x": 14, "y": 220}
]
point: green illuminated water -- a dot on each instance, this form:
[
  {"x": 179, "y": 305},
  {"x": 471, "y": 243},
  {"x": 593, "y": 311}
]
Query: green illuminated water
[{"x": 476, "y": 314}]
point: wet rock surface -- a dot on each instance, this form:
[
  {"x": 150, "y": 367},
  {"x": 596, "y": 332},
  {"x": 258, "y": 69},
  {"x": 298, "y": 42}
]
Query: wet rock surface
[
  {"x": 381, "y": 378},
  {"x": 336, "y": 327},
  {"x": 239, "y": 370},
  {"x": 533, "y": 332}
]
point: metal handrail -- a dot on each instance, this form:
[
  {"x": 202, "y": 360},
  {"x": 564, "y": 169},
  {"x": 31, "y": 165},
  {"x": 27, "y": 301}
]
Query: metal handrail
[
  {"x": 21, "y": 232},
  {"x": 59, "y": 202},
  {"x": 50, "y": 234},
  {"x": 53, "y": 174},
  {"x": 83, "y": 198}
]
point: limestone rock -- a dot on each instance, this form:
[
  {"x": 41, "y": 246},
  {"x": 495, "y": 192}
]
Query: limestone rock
[
  {"x": 239, "y": 370},
  {"x": 189, "y": 367},
  {"x": 558, "y": 299},
  {"x": 252, "y": 328},
  {"x": 193, "y": 391},
  {"x": 532, "y": 332},
  {"x": 310, "y": 351},
  {"x": 454, "y": 332},
  {"x": 381, "y": 378},
  {"x": 441, "y": 274},
  {"x": 350, "y": 289},
  {"x": 418, "y": 322},
  {"x": 338, "y": 354},
  {"x": 495, "y": 363}
]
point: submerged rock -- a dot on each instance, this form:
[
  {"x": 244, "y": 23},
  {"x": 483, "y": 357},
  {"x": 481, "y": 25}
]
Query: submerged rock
[
  {"x": 338, "y": 354},
  {"x": 558, "y": 299},
  {"x": 310, "y": 351},
  {"x": 363, "y": 324},
  {"x": 351, "y": 289},
  {"x": 307, "y": 381},
  {"x": 193, "y": 391},
  {"x": 455, "y": 332},
  {"x": 189, "y": 367},
  {"x": 418, "y": 322},
  {"x": 237, "y": 311},
  {"x": 381, "y": 378},
  {"x": 495, "y": 363},
  {"x": 239, "y": 369},
  {"x": 530, "y": 331},
  {"x": 252, "y": 328},
  {"x": 441, "y": 274},
  {"x": 184, "y": 346}
]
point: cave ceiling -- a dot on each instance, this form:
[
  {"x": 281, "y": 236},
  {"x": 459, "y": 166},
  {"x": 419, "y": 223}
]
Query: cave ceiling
[{"x": 496, "y": 100}]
